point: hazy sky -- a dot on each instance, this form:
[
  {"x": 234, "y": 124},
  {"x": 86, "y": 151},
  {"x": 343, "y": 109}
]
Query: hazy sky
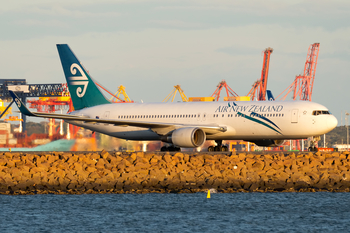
[{"x": 150, "y": 46}]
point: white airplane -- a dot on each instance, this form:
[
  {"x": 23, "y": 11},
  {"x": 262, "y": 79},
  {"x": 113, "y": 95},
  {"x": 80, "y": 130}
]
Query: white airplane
[{"x": 188, "y": 124}]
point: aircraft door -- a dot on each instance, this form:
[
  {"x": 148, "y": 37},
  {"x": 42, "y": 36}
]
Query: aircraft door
[
  {"x": 106, "y": 115},
  {"x": 295, "y": 115},
  {"x": 204, "y": 116}
]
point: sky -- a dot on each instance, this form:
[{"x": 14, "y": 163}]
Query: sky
[{"x": 150, "y": 46}]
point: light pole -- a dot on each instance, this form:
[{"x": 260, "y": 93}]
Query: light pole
[{"x": 347, "y": 130}]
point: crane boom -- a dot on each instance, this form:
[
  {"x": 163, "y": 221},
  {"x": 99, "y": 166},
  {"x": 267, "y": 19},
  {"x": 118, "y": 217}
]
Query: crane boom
[
  {"x": 302, "y": 86},
  {"x": 259, "y": 87},
  {"x": 228, "y": 89},
  {"x": 172, "y": 94}
]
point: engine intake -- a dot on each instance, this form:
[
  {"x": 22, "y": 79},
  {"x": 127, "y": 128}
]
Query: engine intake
[
  {"x": 268, "y": 142},
  {"x": 189, "y": 137}
]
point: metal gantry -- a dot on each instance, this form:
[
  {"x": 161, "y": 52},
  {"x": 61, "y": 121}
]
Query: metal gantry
[
  {"x": 259, "y": 87},
  {"x": 303, "y": 84},
  {"x": 172, "y": 94},
  {"x": 229, "y": 91},
  {"x": 24, "y": 90}
]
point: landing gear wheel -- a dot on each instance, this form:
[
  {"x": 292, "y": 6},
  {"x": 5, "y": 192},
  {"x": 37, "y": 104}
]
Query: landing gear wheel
[
  {"x": 313, "y": 148},
  {"x": 219, "y": 147},
  {"x": 170, "y": 148},
  {"x": 224, "y": 148}
]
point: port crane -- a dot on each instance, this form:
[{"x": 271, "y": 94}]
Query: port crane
[
  {"x": 229, "y": 92},
  {"x": 258, "y": 90},
  {"x": 172, "y": 94},
  {"x": 303, "y": 84}
]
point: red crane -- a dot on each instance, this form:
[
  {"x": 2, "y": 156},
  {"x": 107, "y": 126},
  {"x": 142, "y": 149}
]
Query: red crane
[
  {"x": 259, "y": 87},
  {"x": 219, "y": 87},
  {"x": 303, "y": 84}
]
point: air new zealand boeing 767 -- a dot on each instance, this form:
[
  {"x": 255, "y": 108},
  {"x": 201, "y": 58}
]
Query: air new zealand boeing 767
[{"x": 187, "y": 124}]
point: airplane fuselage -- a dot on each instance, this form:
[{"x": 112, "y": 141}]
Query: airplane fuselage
[{"x": 244, "y": 120}]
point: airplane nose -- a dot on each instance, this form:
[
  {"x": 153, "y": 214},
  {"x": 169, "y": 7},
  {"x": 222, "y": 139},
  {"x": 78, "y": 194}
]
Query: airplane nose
[{"x": 332, "y": 122}]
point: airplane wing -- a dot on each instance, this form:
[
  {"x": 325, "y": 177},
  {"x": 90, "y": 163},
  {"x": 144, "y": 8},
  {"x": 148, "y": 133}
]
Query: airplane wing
[{"x": 210, "y": 129}]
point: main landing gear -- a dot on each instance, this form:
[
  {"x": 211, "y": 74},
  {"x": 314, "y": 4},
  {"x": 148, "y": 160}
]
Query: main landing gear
[
  {"x": 313, "y": 148},
  {"x": 218, "y": 147},
  {"x": 170, "y": 148}
]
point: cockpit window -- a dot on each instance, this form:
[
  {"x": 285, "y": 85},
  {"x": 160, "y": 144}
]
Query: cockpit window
[{"x": 320, "y": 112}]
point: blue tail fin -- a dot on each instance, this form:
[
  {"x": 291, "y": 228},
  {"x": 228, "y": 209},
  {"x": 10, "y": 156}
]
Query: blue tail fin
[
  {"x": 269, "y": 95},
  {"x": 82, "y": 88}
]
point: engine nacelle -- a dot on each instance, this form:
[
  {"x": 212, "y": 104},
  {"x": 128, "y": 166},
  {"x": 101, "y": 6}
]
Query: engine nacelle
[
  {"x": 268, "y": 142},
  {"x": 189, "y": 137}
]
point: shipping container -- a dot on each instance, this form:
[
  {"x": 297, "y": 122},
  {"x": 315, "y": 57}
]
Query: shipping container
[
  {"x": 237, "y": 98},
  {"x": 201, "y": 99},
  {"x": 5, "y": 126},
  {"x": 41, "y": 141},
  {"x": 12, "y": 141}
]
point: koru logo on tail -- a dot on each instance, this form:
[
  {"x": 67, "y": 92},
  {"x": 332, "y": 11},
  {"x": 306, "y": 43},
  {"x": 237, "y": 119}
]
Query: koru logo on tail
[
  {"x": 78, "y": 80},
  {"x": 18, "y": 102}
]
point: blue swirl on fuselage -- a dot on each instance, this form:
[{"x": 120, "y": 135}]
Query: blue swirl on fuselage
[
  {"x": 264, "y": 118},
  {"x": 254, "y": 114}
]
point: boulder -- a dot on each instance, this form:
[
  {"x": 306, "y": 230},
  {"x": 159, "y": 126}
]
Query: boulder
[
  {"x": 100, "y": 164},
  {"x": 3, "y": 161},
  {"x": 95, "y": 156},
  {"x": 167, "y": 158}
]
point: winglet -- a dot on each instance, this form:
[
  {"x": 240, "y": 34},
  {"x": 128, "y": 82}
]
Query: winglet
[{"x": 21, "y": 106}]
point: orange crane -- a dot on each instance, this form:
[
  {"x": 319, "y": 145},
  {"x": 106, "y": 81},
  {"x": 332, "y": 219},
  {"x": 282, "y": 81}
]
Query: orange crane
[
  {"x": 121, "y": 90},
  {"x": 259, "y": 87},
  {"x": 176, "y": 89},
  {"x": 49, "y": 105},
  {"x": 229, "y": 92},
  {"x": 303, "y": 84}
]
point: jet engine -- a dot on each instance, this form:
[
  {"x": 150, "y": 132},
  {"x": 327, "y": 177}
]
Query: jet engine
[
  {"x": 189, "y": 137},
  {"x": 268, "y": 142}
]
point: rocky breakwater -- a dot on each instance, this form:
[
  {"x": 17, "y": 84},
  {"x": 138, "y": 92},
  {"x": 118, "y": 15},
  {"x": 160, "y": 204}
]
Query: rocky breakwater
[{"x": 62, "y": 172}]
